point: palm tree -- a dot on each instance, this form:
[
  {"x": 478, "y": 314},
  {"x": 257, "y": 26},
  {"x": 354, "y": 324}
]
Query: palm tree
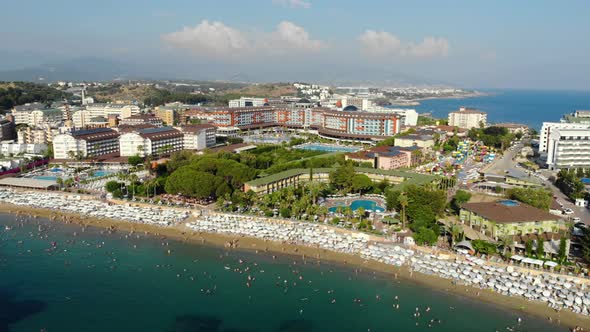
[
  {"x": 506, "y": 242},
  {"x": 456, "y": 232},
  {"x": 361, "y": 212},
  {"x": 59, "y": 182},
  {"x": 348, "y": 212},
  {"x": 403, "y": 203}
]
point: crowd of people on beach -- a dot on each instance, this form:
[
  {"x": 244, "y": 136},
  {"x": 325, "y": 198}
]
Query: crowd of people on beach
[
  {"x": 309, "y": 234},
  {"x": 558, "y": 292}
]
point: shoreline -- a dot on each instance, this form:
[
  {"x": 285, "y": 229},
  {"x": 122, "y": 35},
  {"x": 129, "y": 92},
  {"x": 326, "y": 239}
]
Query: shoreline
[
  {"x": 183, "y": 233},
  {"x": 416, "y": 101}
]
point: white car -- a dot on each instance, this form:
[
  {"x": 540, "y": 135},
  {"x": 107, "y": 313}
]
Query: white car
[
  {"x": 568, "y": 211},
  {"x": 576, "y": 219}
]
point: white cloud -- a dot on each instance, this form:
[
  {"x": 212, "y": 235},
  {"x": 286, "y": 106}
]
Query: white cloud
[
  {"x": 291, "y": 37},
  {"x": 217, "y": 40},
  {"x": 383, "y": 44},
  {"x": 293, "y": 3},
  {"x": 209, "y": 39}
]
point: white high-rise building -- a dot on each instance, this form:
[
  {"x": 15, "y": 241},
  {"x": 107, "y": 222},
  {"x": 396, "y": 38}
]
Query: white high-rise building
[
  {"x": 549, "y": 127},
  {"x": 151, "y": 141},
  {"x": 86, "y": 143},
  {"x": 568, "y": 148},
  {"x": 467, "y": 118}
]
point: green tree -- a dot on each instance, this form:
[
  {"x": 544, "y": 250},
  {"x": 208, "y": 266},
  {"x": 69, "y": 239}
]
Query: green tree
[
  {"x": 585, "y": 242},
  {"x": 111, "y": 186},
  {"x": 361, "y": 183},
  {"x": 561, "y": 254},
  {"x": 539, "y": 198},
  {"x": 528, "y": 248},
  {"x": 540, "y": 249},
  {"x": 285, "y": 212},
  {"x": 361, "y": 212},
  {"x": 456, "y": 234},
  {"x": 135, "y": 160},
  {"x": 60, "y": 182},
  {"x": 425, "y": 236},
  {"x": 403, "y": 203},
  {"x": 391, "y": 199},
  {"x": 341, "y": 178},
  {"x": 193, "y": 183},
  {"x": 461, "y": 197},
  {"x": 484, "y": 247}
]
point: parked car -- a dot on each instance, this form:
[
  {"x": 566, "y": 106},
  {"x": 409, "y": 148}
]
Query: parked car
[{"x": 568, "y": 211}]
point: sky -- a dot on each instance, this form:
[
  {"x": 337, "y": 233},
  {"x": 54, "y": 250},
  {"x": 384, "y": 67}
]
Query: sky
[{"x": 532, "y": 44}]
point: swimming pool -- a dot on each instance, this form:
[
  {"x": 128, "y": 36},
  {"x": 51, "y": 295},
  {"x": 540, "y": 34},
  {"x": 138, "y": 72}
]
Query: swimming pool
[
  {"x": 508, "y": 202},
  {"x": 327, "y": 148},
  {"x": 100, "y": 173},
  {"x": 45, "y": 177},
  {"x": 585, "y": 180},
  {"x": 366, "y": 204}
]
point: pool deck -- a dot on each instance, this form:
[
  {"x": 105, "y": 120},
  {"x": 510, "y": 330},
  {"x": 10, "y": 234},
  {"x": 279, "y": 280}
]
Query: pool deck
[{"x": 346, "y": 201}]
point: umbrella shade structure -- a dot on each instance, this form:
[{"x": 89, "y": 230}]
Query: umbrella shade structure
[
  {"x": 550, "y": 264},
  {"x": 464, "y": 245}
]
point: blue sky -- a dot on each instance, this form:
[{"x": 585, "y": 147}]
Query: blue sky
[{"x": 520, "y": 44}]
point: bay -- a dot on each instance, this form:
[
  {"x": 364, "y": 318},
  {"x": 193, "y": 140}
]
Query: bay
[
  {"x": 62, "y": 277},
  {"x": 530, "y": 107}
]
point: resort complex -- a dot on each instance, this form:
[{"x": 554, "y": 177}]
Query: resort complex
[{"x": 463, "y": 199}]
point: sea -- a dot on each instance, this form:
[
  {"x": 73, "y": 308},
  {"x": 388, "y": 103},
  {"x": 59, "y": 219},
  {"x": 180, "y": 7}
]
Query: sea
[
  {"x": 63, "y": 277},
  {"x": 529, "y": 107}
]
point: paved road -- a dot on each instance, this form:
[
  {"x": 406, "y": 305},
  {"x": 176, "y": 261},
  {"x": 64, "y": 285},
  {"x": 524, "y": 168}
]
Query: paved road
[{"x": 506, "y": 163}]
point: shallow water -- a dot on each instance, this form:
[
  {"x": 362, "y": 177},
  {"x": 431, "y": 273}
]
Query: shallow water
[{"x": 96, "y": 281}]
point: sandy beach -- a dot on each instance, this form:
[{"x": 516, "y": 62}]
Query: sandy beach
[{"x": 182, "y": 233}]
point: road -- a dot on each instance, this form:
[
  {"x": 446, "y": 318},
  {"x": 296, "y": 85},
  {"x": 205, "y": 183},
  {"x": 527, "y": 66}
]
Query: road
[{"x": 507, "y": 163}]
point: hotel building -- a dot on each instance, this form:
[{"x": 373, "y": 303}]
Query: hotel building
[
  {"x": 467, "y": 118},
  {"x": 198, "y": 136},
  {"x": 151, "y": 141},
  {"x": 104, "y": 110},
  {"x": 330, "y": 123},
  {"x": 569, "y": 148},
  {"x": 86, "y": 143}
]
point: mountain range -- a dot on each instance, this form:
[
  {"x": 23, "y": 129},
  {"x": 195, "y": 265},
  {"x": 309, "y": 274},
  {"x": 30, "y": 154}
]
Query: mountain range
[{"x": 100, "y": 69}]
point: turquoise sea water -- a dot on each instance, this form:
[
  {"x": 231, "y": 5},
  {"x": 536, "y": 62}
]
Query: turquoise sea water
[
  {"x": 364, "y": 203},
  {"x": 522, "y": 106},
  {"x": 58, "y": 277}
]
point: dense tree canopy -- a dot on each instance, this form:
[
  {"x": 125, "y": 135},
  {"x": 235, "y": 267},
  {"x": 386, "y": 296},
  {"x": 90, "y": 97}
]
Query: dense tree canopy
[
  {"x": 341, "y": 178},
  {"x": 570, "y": 184},
  {"x": 361, "y": 183},
  {"x": 193, "y": 183},
  {"x": 19, "y": 93},
  {"x": 539, "y": 198},
  {"x": 497, "y": 137}
]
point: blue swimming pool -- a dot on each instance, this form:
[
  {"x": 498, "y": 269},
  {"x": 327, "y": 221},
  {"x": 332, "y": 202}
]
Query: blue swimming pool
[
  {"x": 508, "y": 202},
  {"x": 45, "y": 177},
  {"x": 326, "y": 148},
  {"x": 366, "y": 204},
  {"x": 100, "y": 173},
  {"x": 585, "y": 180}
]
